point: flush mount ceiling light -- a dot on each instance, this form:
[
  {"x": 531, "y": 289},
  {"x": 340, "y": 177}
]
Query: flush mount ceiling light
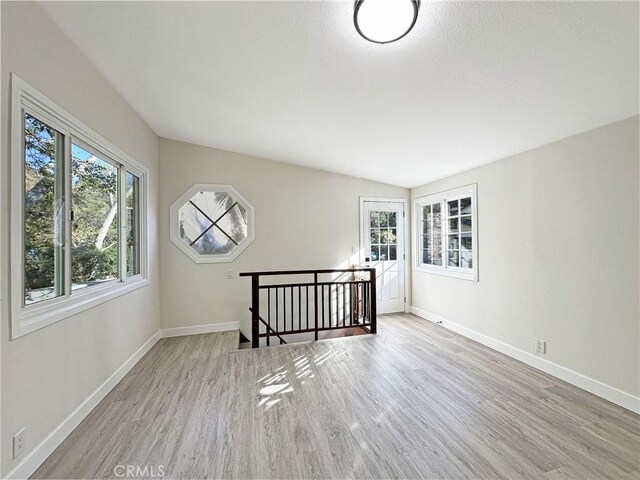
[{"x": 385, "y": 21}]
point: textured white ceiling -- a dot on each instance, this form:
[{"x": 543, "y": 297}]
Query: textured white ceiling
[{"x": 293, "y": 81}]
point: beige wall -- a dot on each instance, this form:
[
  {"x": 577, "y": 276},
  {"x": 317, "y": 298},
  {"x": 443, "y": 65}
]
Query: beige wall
[
  {"x": 305, "y": 218},
  {"x": 558, "y": 244},
  {"x": 558, "y": 254},
  {"x": 48, "y": 373}
]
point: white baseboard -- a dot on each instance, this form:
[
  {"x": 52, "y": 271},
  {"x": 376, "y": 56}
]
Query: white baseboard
[
  {"x": 589, "y": 384},
  {"x": 39, "y": 454},
  {"x": 198, "y": 329}
]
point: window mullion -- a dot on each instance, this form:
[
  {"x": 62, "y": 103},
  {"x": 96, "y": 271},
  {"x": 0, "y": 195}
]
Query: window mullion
[
  {"x": 122, "y": 223},
  {"x": 445, "y": 232},
  {"x": 432, "y": 218},
  {"x": 68, "y": 214}
]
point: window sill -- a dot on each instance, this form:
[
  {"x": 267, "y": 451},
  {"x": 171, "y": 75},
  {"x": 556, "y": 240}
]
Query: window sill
[
  {"x": 30, "y": 320},
  {"x": 448, "y": 272}
]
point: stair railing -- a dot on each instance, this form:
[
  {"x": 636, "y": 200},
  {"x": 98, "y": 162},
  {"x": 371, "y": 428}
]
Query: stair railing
[{"x": 311, "y": 306}]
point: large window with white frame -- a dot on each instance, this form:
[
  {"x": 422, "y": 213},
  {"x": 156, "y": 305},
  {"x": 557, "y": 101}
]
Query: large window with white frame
[
  {"x": 446, "y": 233},
  {"x": 78, "y": 215}
]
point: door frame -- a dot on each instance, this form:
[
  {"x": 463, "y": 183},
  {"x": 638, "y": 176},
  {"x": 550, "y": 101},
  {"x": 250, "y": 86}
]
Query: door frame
[{"x": 406, "y": 225}]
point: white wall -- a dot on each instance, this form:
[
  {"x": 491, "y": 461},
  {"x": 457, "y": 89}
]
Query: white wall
[
  {"x": 48, "y": 373},
  {"x": 558, "y": 244},
  {"x": 305, "y": 218},
  {"x": 558, "y": 255}
]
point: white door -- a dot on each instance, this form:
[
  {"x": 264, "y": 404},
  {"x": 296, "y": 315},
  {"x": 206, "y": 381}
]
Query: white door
[{"x": 383, "y": 241}]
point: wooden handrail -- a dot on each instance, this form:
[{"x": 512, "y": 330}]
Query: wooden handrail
[
  {"x": 311, "y": 284},
  {"x": 303, "y": 272}
]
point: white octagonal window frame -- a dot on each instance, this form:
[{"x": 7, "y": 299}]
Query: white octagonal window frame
[{"x": 186, "y": 247}]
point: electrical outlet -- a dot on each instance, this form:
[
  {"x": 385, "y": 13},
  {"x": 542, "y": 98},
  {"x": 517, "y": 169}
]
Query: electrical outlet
[
  {"x": 541, "y": 346},
  {"x": 229, "y": 274},
  {"x": 19, "y": 443}
]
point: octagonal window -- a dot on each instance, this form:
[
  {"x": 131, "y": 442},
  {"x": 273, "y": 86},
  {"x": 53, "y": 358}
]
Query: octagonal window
[{"x": 212, "y": 223}]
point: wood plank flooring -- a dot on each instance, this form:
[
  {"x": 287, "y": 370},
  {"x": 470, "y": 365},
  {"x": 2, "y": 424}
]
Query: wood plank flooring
[{"x": 414, "y": 401}]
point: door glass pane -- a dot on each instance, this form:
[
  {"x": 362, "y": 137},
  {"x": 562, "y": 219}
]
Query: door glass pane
[
  {"x": 392, "y": 239},
  {"x": 426, "y": 227},
  {"x": 43, "y": 211},
  {"x": 453, "y": 259},
  {"x": 425, "y": 241},
  {"x": 392, "y": 219},
  {"x": 94, "y": 231},
  {"x": 453, "y": 225},
  {"x": 383, "y": 234},
  {"x": 466, "y": 223},
  {"x": 426, "y": 256},
  {"x": 426, "y": 210},
  {"x": 133, "y": 224},
  {"x": 453, "y": 242},
  {"x": 453, "y": 208},
  {"x": 435, "y": 208},
  {"x": 465, "y": 206}
]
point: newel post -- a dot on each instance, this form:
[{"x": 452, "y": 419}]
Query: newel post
[
  {"x": 373, "y": 307},
  {"x": 255, "y": 311},
  {"x": 315, "y": 304}
]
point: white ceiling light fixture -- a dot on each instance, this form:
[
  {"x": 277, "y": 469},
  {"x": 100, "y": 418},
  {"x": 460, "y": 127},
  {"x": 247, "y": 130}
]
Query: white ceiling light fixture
[{"x": 385, "y": 21}]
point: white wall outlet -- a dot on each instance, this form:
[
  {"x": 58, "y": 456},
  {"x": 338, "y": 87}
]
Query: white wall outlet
[
  {"x": 541, "y": 346},
  {"x": 19, "y": 443},
  {"x": 229, "y": 274}
]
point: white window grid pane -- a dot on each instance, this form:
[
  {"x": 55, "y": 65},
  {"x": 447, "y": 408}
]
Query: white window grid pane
[
  {"x": 453, "y": 255},
  {"x": 457, "y": 205},
  {"x": 434, "y": 246}
]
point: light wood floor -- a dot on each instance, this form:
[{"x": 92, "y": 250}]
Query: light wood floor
[{"x": 414, "y": 401}]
